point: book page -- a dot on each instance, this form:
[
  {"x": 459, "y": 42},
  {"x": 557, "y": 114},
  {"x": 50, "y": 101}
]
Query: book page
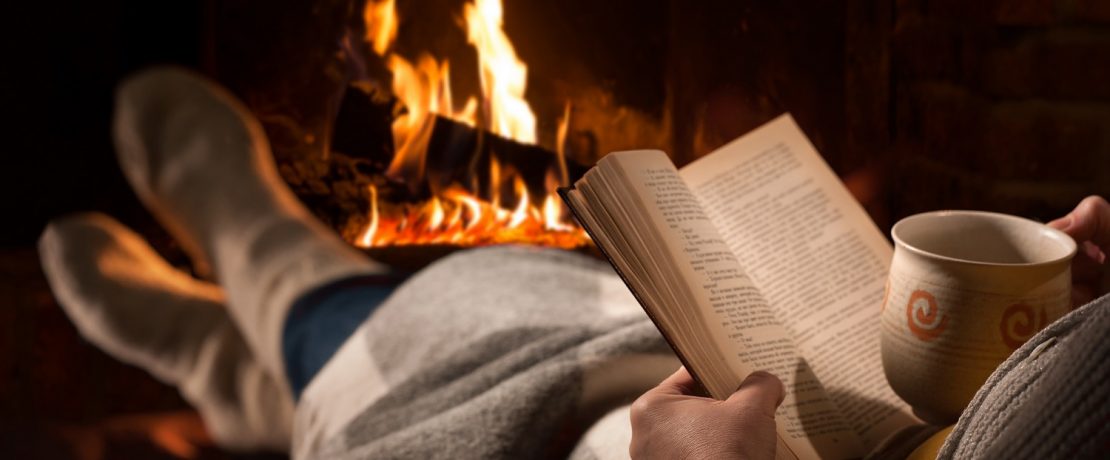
[
  {"x": 731, "y": 308},
  {"x": 814, "y": 253}
]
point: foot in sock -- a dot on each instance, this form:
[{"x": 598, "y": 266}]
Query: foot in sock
[
  {"x": 133, "y": 305},
  {"x": 202, "y": 164}
]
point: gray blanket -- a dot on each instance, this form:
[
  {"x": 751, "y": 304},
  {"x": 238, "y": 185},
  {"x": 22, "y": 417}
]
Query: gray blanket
[
  {"x": 502, "y": 353},
  {"x": 1050, "y": 399},
  {"x": 516, "y": 352}
]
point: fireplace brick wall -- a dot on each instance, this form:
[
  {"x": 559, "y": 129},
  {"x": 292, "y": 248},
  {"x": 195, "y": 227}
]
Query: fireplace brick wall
[
  {"x": 929, "y": 104},
  {"x": 998, "y": 105}
]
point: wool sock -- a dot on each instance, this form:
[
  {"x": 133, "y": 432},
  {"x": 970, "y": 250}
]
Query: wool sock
[
  {"x": 201, "y": 163},
  {"x": 128, "y": 301}
]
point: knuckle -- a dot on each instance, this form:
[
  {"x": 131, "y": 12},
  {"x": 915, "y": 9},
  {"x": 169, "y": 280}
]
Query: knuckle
[
  {"x": 641, "y": 407},
  {"x": 644, "y": 410}
]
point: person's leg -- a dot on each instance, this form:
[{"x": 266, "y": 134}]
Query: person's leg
[
  {"x": 320, "y": 321},
  {"x": 202, "y": 164},
  {"x": 133, "y": 305}
]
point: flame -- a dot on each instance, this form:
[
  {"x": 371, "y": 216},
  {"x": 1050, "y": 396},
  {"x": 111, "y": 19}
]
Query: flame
[
  {"x": 381, "y": 25},
  {"x": 503, "y": 75},
  {"x": 521, "y": 211},
  {"x": 454, "y": 214},
  {"x": 367, "y": 238},
  {"x": 425, "y": 91},
  {"x": 561, "y": 144},
  {"x": 472, "y": 222}
]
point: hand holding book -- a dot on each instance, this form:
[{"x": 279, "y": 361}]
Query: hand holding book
[
  {"x": 667, "y": 422},
  {"x": 756, "y": 258}
]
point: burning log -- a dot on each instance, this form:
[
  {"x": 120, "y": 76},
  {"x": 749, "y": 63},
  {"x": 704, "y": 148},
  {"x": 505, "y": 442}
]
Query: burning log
[
  {"x": 456, "y": 152},
  {"x": 361, "y": 128},
  {"x": 440, "y": 178},
  {"x": 466, "y": 187},
  {"x": 460, "y": 153}
]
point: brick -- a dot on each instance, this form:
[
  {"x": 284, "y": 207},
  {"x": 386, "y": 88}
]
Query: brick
[
  {"x": 958, "y": 10},
  {"x": 1061, "y": 64},
  {"x": 926, "y": 47},
  {"x": 1011, "y": 13},
  {"x": 923, "y": 184},
  {"x": 940, "y": 117},
  {"x": 955, "y": 127},
  {"x": 1044, "y": 140},
  {"x": 1086, "y": 11},
  {"x": 1036, "y": 199},
  {"x": 1009, "y": 73},
  {"x": 1025, "y": 12}
]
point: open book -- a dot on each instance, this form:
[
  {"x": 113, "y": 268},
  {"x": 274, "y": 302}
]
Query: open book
[{"x": 755, "y": 257}]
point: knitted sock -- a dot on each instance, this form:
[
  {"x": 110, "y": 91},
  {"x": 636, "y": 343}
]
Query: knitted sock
[
  {"x": 133, "y": 305},
  {"x": 202, "y": 165}
]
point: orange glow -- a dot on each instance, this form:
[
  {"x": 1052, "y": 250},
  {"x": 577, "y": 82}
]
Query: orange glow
[
  {"x": 425, "y": 91},
  {"x": 561, "y": 144},
  {"x": 478, "y": 222},
  {"x": 366, "y": 239},
  {"x": 454, "y": 214},
  {"x": 503, "y": 74},
  {"x": 381, "y": 25},
  {"x": 521, "y": 211}
]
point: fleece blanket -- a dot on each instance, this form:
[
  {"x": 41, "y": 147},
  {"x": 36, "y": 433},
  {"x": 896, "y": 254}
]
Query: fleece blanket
[
  {"x": 514, "y": 352},
  {"x": 504, "y": 352}
]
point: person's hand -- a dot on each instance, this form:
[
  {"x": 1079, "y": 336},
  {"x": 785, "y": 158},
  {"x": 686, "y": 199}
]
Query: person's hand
[
  {"x": 669, "y": 422},
  {"x": 1089, "y": 225}
]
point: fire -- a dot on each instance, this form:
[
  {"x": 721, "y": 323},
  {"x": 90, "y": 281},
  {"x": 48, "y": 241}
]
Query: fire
[
  {"x": 503, "y": 75},
  {"x": 455, "y": 215},
  {"x": 367, "y": 238},
  {"x": 381, "y": 25},
  {"x": 425, "y": 90}
]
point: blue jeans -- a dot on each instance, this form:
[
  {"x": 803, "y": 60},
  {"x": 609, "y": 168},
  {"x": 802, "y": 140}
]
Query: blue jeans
[{"x": 321, "y": 320}]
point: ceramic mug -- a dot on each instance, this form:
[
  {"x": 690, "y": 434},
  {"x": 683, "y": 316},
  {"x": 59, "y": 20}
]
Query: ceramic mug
[{"x": 966, "y": 289}]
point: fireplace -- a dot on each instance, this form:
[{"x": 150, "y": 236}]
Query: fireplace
[{"x": 451, "y": 123}]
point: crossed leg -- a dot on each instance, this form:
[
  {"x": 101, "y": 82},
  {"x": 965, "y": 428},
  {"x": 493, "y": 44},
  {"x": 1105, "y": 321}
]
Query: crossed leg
[
  {"x": 133, "y": 305},
  {"x": 201, "y": 163}
]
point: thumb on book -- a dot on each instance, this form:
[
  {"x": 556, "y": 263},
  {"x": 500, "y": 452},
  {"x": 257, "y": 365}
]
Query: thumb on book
[
  {"x": 760, "y": 391},
  {"x": 679, "y": 383}
]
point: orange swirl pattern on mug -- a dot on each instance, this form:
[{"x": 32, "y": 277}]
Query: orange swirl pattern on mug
[
  {"x": 924, "y": 317},
  {"x": 1019, "y": 323}
]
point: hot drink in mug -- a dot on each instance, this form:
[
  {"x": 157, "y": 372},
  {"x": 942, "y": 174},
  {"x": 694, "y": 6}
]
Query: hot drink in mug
[{"x": 966, "y": 289}]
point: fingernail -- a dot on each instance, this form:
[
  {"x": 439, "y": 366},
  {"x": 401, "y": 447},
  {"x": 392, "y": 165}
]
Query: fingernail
[{"x": 767, "y": 375}]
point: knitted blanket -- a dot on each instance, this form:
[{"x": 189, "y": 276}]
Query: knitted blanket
[
  {"x": 513, "y": 352},
  {"x": 1050, "y": 399},
  {"x": 504, "y": 352}
]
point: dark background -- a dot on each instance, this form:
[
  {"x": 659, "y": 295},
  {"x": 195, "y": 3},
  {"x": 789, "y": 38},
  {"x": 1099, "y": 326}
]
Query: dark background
[
  {"x": 919, "y": 104},
  {"x": 62, "y": 60}
]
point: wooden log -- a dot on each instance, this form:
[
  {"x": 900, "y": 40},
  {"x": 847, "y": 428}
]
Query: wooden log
[
  {"x": 361, "y": 128},
  {"x": 457, "y": 153}
]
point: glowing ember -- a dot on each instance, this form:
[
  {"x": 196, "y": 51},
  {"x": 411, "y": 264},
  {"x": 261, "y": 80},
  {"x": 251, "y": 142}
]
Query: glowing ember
[
  {"x": 471, "y": 222},
  {"x": 454, "y": 214}
]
